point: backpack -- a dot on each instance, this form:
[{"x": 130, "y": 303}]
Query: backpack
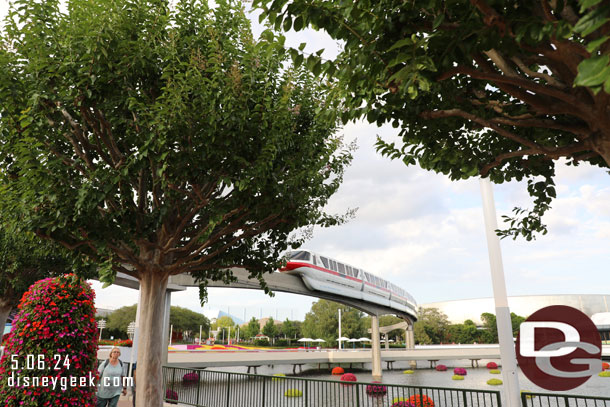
[{"x": 106, "y": 364}]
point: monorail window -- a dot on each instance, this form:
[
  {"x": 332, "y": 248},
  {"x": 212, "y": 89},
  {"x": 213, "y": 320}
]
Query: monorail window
[
  {"x": 324, "y": 261},
  {"x": 341, "y": 268},
  {"x": 367, "y": 277},
  {"x": 300, "y": 255},
  {"x": 349, "y": 271},
  {"x": 333, "y": 265}
]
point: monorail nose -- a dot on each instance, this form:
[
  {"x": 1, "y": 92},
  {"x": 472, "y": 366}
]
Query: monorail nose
[{"x": 291, "y": 266}]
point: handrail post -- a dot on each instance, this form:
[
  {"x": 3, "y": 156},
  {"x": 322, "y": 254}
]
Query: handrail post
[
  {"x": 358, "y": 394},
  {"x": 229, "y": 390},
  {"x": 464, "y": 398},
  {"x": 306, "y": 392},
  {"x": 263, "y": 403}
]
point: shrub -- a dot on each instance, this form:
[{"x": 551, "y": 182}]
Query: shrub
[
  {"x": 408, "y": 371},
  {"x": 495, "y": 371},
  {"x": 494, "y": 382},
  {"x": 605, "y": 373},
  {"x": 190, "y": 378},
  {"x": 293, "y": 393},
  {"x": 278, "y": 377},
  {"x": 281, "y": 342},
  {"x": 376, "y": 390},
  {"x": 348, "y": 377},
  {"x": 337, "y": 371},
  {"x": 261, "y": 342},
  {"x": 423, "y": 401},
  {"x": 171, "y": 395},
  {"x": 55, "y": 324},
  {"x": 605, "y": 365},
  {"x": 117, "y": 342},
  {"x": 441, "y": 368},
  {"x": 492, "y": 365},
  {"x": 460, "y": 371},
  {"x": 457, "y": 377}
]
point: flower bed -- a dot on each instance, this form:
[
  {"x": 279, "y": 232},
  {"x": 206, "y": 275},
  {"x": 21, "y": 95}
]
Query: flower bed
[
  {"x": 460, "y": 371},
  {"x": 403, "y": 403},
  {"x": 441, "y": 368},
  {"x": 495, "y": 371},
  {"x": 293, "y": 393},
  {"x": 492, "y": 365},
  {"x": 408, "y": 371},
  {"x": 337, "y": 371},
  {"x": 348, "y": 377},
  {"x": 494, "y": 382},
  {"x": 375, "y": 390},
  {"x": 605, "y": 373},
  {"x": 128, "y": 343},
  {"x": 605, "y": 365},
  {"x": 457, "y": 377}
]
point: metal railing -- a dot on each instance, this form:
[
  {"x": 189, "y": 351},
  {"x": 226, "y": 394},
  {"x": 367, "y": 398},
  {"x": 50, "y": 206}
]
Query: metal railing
[
  {"x": 206, "y": 388},
  {"x": 529, "y": 399}
]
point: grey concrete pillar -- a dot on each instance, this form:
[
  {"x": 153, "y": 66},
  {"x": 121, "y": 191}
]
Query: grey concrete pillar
[
  {"x": 168, "y": 303},
  {"x": 376, "y": 348},
  {"x": 410, "y": 337},
  {"x": 387, "y": 343}
]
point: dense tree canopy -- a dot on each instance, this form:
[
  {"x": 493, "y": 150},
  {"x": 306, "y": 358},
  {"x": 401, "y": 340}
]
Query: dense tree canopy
[
  {"x": 252, "y": 329},
  {"x": 323, "y": 322},
  {"x": 491, "y": 88},
  {"x": 160, "y": 141}
]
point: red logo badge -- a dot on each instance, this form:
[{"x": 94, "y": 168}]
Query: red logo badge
[{"x": 559, "y": 348}]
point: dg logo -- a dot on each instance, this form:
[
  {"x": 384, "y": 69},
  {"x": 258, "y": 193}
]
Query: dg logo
[{"x": 559, "y": 348}]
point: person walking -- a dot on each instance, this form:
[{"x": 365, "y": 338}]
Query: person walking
[{"x": 110, "y": 385}]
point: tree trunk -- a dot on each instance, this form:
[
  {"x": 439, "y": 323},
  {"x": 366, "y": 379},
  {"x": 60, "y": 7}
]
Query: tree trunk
[
  {"x": 5, "y": 310},
  {"x": 601, "y": 145},
  {"x": 150, "y": 347}
]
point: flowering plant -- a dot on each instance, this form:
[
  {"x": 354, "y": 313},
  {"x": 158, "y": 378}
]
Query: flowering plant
[
  {"x": 441, "y": 368},
  {"x": 55, "y": 324},
  {"x": 171, "y": 395},
  {"x": 460, "y": 371},
  {"x": 337, "y": 371},
  {"x": 189, "y": 378},
  {"x": 348, "y": 377},
  {"x": 605, "y": 365},
  {"x": 376, "y": 390},
  {"x": 423, "y": 401},
  {"x": 492, "y": 365},
  {"x": 403, "y": 403},
  {"x": 494, "y": 382}
]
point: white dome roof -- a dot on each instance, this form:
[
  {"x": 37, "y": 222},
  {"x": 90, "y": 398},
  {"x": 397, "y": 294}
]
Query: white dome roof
[{"x": 601, "y": 318}]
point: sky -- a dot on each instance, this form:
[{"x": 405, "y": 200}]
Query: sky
[{"x": 426, "y": 234}]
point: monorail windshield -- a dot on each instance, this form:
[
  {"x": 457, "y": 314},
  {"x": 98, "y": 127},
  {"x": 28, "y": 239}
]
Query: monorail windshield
[{"x": 300, "y": 255}]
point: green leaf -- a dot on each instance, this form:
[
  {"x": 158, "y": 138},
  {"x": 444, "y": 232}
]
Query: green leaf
[
  {"x": 287, "y": 23},
  {"x": 438, "y": 21},
  {"x": 590, "y": 22},
  {"x": 400, "y": 44},
  {"x": 585, "y": 4},
  {"x": 302, "y": 46},
  {"x": 298, "y": 23},
  {"x": 593, "y": 71},
  {"x": 594, "y": 45}
]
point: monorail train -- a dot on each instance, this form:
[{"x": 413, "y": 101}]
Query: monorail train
[{"x": 326, "y": 274}]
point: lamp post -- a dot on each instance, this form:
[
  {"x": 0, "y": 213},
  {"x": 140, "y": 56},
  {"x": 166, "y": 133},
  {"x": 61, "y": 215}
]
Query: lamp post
[
  {"x": 131, "y": 329},
  {"x": 101, "y": 324}
]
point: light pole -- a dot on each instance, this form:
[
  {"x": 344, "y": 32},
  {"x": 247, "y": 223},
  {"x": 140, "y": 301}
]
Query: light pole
[
  {"x": 101, "y": 324},
  {"x": 131, "y": 329}
]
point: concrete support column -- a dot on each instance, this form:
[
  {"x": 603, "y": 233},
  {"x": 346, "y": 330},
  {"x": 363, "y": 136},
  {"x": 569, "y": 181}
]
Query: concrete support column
[
  {"x": 410, "y": 339},
  {"x": 168, "y": 303},
  {"x": 387, "y": 342},
  {"x": 376, "y": 348}
]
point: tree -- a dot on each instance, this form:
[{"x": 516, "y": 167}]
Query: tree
[
  {"x": 252, "y": 329},
  {"x": 464, "y": 333},
  {"x": 224, "y": 322},
  {"x": 431, "y": 326},
  {"x": 323, "y": 322},
  {"x": 491, "y": 328},
  {"x": 289, "y": 330},
  {"x": 160, "y": 141},
  {"x": 497, "y": 89},
  {"x": 270, "y": 329},
  {"x": 25, "y": 259},
  {"x": 183, "y": 319}
]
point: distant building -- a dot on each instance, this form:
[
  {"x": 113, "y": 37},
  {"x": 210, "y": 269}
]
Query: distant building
[
  {"x": 459, "y": 311},
  {"x": 235, "y": 319},
  {"x": 602, "y": 322}
]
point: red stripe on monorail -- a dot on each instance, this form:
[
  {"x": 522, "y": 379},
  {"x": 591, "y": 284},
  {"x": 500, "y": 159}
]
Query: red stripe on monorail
[
  {"x": 291, "y": 265},
  {"x": 376, "y": 286}
]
